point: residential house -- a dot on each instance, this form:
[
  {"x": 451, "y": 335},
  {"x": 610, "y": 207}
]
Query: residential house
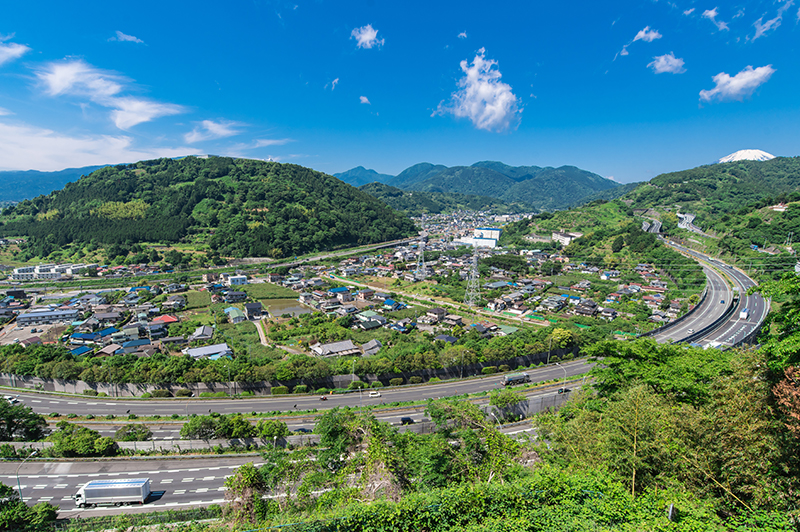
[
  {"x": 372, "y": 347},
  {"x": 174, "y": 303},
  {"x": 343, "y": 348},
  {"x": 202, "y": 334},
  {"x": 453, "y": 320},
  {"x": 235, "y": 315},
  {"x": 253, "y": 311},
  {"x": 437, "y": 314},
  {"x": 232, "y": 296},
  {"x": 236, "y": 280},
  {"x": 211, "y": 352}
]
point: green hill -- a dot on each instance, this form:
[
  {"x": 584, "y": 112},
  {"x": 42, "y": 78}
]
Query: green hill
[
  {"x": 418, "y": 203},
  {"x": 238, "y": 207}
]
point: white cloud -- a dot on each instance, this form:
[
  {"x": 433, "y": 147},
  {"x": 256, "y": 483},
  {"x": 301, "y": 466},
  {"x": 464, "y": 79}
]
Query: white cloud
[
  {"x": 208, "y": 130},
  {"x": 364, "y": 99},
  {"x": 772, "y": 24},
  {"x": 261, "y": 143},
  {"x": 11, "y": 51},
  {"x": 5, "y": 112},
  {"x": 667, "y": 63},
  {"x": 482, "y": 97},
  {"x": 334, "y": 83},
  {"x": 711, "y": 14},
  {"x": 462, "y": 35},
  {"x": 125, "y": 38},
  {"x": 366, "y": 37},
  {"x": 688, "y": 11},
  {"x": 647, "y": 35},
  {"x": 23, "y": 147},
  {"x": 80, "y": 79},
  {"x": 739, "y": 86}
]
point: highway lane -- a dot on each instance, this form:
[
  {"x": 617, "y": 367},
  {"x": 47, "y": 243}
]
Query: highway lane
[
  {"x": 709, "y": 310},
  {"x": 185, "y": 482},
  {"x": 735, "y": 329},
  {"x": 99, "y": 407}
]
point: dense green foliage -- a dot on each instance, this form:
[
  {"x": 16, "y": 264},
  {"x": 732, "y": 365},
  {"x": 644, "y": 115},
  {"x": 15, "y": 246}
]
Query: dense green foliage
[
  {"x": 252, "y": 208},
  {"x": 72, "y": 440},
  {"x": 417, "y": 203},
  {"x": 17, "y": 516},
  {"x": 19, "y": 422},
  {"x": 721, "y": 188}
]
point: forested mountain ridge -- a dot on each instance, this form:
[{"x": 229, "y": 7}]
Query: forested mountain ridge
[
  {"x": 360, "y": 176},
  {"x": 414, "y": 203},
  {"x": 545, "y": 188},
  {"x": 239, "y": 207},
  {"x": 17, "y": 185},
  {"x": 720, "y": 188}
]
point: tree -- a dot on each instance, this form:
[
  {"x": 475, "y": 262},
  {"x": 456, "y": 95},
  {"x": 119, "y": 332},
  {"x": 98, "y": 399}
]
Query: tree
[
  {"x": 618, "y": 244},
  {"x": 20, "y": 422},
  {"x": 199, "y": 427},
  {"x": 505, "y": 398},
  {"x": 133, "y": 432},
  {"x": 244, "y": 492},
  {"x": 272, "y": 428},
  {"x": 73, "y": 440},
  {"x": 787, "y": 394},
  {"x": 16, "y": 515}
]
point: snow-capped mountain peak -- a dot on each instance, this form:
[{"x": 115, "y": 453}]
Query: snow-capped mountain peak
[{"x": 746, "y": 155}]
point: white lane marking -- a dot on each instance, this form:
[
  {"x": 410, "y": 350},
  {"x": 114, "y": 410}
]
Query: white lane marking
[
  {"x": 35, "y": 401},
  {"x": 201, "y": 490},
  {"x": 209, "y": 478},
  {"x": 179, "y": 492},
  {"x": 190, "y": 479}
]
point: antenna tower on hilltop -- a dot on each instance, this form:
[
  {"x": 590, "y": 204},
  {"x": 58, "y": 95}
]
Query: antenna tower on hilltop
[{"x": 473, "y": 292}]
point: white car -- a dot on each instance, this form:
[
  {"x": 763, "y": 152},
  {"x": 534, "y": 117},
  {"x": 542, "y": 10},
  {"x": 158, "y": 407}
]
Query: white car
[
  {"x": 11, "y": 399},
  {"x": 374, "y": 393}
]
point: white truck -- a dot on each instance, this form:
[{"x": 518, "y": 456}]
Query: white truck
[
  {"x": 743, "y": 315},
  {"x": 113, "y": 492}
]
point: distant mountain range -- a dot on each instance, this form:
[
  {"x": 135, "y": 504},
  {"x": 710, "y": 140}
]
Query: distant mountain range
[
  {"x": 541, "y": 188},
  {"x": 746, "y": 155},
  {"x": 17, "y": 185}
]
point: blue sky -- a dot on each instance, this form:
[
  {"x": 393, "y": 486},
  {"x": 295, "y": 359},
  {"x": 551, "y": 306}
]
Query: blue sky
[{"x": 624, "y": 89}]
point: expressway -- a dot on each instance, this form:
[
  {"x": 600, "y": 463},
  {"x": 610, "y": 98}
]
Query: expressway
[
  {"x": 733, "y": 330},
  {"x": 46, "y": 404}
]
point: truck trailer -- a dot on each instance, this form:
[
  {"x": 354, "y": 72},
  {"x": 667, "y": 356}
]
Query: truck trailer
[
  {"x": 516, "y": 378},
  {"x": 113, "y": 492}
]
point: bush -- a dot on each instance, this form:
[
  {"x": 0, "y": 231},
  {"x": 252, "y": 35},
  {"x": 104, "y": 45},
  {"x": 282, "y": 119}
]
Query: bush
[
  {"x": 322, "y": 391},
  {"x": 175, "y": 416},
  {"x": 504, "y": 368},
  {"x": 55, "y": 414},
  {"x": 89, "y": 416},
  {"x": 133, "y": 433},
  {"x": 415, "y": 380},
  {"x": 146, "y": 395},
  {"x": 300, "y": 388},
  {"x": 396, "y": 382},
  {"x": 132, "y": 416},
  {"x": 161, "y": 393},
  {"x": 489, "y": 370},
  {"x": 376, "y": 384},
  {"x": 110, "y": 416},
  {"x": 91, "y": 392},
  {"x": 72, "y": 416},
  {"x": 102, "y": 394},
  {"x": 356, "y": 385},
  {"x": 434, "y": 379},
  {"x": 183, "y": 392},
  {"x": 279, "y": 390}
]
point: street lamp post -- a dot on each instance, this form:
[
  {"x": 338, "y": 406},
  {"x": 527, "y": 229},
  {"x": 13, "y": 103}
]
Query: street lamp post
[
  {"x": 19, "y": 488},
  {"x": 549, "y": 349},
  {"x": 564, "y": 386}
]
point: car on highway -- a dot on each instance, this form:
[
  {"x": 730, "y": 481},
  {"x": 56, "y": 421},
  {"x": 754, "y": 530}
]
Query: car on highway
[
  {"x": 721, "y": 301},
  {"x": 406, "y": 421},
  {"x": 564, "y": 390},
  {"x": 303, "y": 430},
  {"x": 11, "y": 399},
  {"x": 374, "y": 393},
  {"x": 690, "y": 331}
]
